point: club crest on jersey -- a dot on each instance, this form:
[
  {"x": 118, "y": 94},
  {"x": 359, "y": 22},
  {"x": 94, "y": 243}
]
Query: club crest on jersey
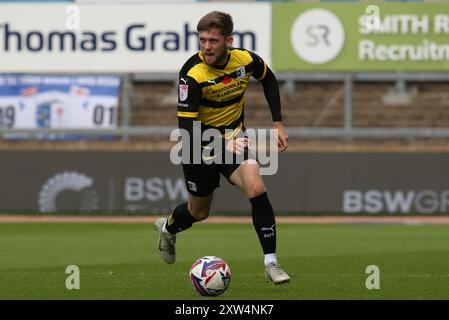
[
  {"x": 183, "y": 92},
  {"x": 240, "y": 72}
]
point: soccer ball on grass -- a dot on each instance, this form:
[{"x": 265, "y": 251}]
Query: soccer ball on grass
[{"x": 210, "y": 276}]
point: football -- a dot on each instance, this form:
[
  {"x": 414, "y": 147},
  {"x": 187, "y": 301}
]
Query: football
[{"x": 210, "y": 276}]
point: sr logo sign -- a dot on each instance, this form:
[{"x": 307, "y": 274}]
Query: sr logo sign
[{"x": 317, "y": 36}]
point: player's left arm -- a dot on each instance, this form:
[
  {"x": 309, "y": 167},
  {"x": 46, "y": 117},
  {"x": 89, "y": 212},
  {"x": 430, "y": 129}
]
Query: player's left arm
[{"x": 271, "y": 90}]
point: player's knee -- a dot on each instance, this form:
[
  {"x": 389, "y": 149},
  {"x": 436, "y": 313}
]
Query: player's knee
[{"x": 256, "y": 189}]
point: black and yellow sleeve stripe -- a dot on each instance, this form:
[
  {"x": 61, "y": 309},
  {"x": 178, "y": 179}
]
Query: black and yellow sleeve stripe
[{"x": 187, "y": 114}]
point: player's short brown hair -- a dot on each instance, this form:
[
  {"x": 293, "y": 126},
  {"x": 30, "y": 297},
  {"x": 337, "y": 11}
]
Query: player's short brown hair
[{"x": 218, "y": 20}]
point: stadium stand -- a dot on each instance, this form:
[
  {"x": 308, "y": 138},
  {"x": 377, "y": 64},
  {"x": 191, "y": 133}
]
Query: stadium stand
[
  {"x": 306, "y": 105},
  {"x": 317, "y": 105},
  {"x": 321, "y": 104}
]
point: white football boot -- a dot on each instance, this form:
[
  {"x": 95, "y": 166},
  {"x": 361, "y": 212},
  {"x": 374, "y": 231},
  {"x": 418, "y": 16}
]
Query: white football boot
[
  {"x": 167, "y": 242},
  {"x": 275, "y": 274}
]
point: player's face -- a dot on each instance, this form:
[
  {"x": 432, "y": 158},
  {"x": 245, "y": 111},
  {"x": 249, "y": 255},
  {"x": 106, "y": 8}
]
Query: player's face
[{"x": 214, "y": 47}]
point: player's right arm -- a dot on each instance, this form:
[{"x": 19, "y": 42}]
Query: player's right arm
[{"x": 189, "y": 97}]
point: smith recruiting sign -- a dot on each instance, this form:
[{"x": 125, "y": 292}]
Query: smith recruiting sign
[{"x": 360, "y": 37}]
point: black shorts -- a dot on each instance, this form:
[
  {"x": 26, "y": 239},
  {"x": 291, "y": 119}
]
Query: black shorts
[{"x": 202, "y": 179}]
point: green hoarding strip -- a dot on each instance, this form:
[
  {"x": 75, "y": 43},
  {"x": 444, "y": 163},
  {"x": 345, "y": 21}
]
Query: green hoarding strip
[{"x": 360, "y": 37}]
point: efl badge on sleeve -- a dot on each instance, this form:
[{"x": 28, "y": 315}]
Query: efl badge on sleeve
[
  {"x": 240, "y": 72},
  {"x": 183, "y": 92}
]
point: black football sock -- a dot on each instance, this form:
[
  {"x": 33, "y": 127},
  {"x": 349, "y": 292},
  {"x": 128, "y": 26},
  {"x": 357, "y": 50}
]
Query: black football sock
[
  {"x": 180, "y": 220},
  {"x": 264, "y": 222}
]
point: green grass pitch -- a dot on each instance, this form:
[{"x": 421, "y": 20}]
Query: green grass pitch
[{"x": 120, "y": 261}]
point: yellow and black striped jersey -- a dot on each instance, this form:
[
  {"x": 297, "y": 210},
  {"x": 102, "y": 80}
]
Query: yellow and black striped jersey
[{"x": 214, "y": 95}]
